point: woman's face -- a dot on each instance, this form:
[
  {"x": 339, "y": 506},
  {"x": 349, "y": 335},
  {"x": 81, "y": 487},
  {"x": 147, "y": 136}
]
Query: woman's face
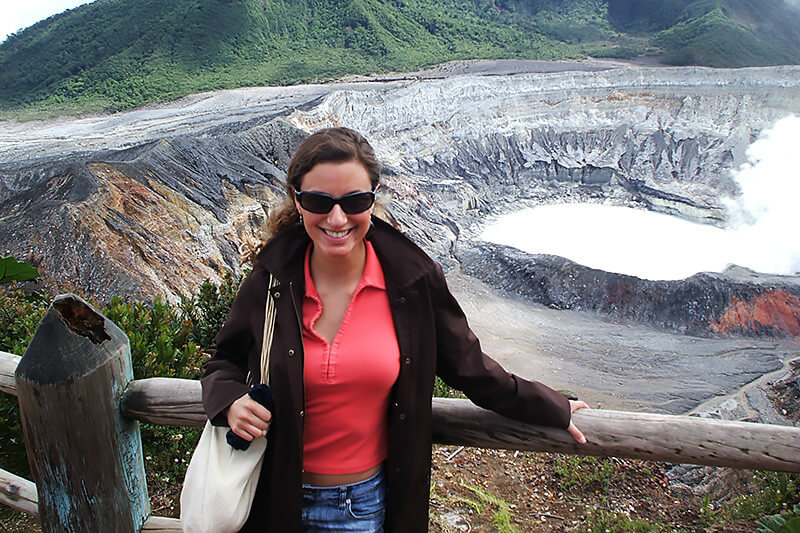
[{"x": 336, "y": 234}]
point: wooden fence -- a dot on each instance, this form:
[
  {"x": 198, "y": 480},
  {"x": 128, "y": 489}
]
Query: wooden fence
[{"x": 80, "y": 408}]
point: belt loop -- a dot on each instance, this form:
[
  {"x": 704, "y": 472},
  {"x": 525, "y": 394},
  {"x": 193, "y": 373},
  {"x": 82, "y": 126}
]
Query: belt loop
[{"x": 343, "y": 497}]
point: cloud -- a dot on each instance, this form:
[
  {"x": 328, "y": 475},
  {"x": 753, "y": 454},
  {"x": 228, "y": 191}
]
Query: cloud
[{"x": 764, "y": 217}]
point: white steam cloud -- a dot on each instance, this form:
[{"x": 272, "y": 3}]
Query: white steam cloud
[
  {"x": 765, "y": 219},
  {"x": 762, "y": 234}
]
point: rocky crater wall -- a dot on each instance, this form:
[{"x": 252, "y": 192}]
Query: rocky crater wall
[
  {"x": 736, "y": 302},
  {"x": 162, "y": 215}
]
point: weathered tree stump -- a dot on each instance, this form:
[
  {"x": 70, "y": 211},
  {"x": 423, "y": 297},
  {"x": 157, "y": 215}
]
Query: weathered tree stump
[{"x": 85, "y": 457}]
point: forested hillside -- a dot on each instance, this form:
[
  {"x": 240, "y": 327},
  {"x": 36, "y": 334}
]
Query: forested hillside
[
  {"x": 117, "y": 54},
  {"x": 720, "y": 33}
]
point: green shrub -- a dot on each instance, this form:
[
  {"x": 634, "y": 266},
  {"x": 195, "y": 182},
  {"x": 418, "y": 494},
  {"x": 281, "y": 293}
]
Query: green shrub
[
  {"x": 443, "y": 390},
  {"x": 501, "y": 517},
  {"x": 780, "y": 523},
  {"x": 774, "y": 492},
  {"x": 20, "y": 315},
  {"x": 166, "y": 340},
  {"x": 207, "y": 309},
  {"x": 13, "y": 270}
]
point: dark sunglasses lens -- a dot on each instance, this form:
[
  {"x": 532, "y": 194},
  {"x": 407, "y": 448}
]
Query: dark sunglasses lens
[
  {"x": 357, "y": 203},
  {"x": 316, "y": 203},
  {"x": 321, "y": 203}
]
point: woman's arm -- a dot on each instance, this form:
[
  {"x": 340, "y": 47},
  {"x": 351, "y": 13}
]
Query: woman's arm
[{"x": 462, "y": 365}]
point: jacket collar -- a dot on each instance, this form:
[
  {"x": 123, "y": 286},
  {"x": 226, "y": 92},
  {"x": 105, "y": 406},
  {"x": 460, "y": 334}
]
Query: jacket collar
[{"x": 403, "y": 262}]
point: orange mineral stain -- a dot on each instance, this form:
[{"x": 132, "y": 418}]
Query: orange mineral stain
[{"x": 777, "y": 311}]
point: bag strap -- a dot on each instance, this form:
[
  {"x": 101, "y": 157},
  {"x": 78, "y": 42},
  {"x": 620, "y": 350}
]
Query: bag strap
[{"x": 269, "y": 329}]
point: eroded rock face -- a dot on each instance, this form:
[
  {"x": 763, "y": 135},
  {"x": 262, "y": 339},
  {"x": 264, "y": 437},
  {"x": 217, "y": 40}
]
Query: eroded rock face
[
  {"x": 156, "y": 219},
  {"x": 735, "y": 302},
  {"x": 662, "y": 139},
  {"x": 167, "y": 213}
]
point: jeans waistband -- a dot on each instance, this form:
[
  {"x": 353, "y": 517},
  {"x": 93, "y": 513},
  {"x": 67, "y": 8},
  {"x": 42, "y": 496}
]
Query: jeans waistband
[{"x": 335, "y": 490}]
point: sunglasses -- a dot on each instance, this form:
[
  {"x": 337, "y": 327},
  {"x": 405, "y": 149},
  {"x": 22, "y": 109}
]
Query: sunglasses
[{"x": 321, "y": 203}]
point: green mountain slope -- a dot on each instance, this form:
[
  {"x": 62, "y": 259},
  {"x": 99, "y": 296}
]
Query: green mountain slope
[
  {"x": 121, "y": 53},
  {"x": 117, "y": 54},
  {"x": 720, "y": 33}
]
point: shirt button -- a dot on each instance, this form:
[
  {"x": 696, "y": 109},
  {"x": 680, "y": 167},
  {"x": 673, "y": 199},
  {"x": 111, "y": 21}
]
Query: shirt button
[
  {"x": 402, "y": 299},
  {"x": 302, "y": 414},
  {"x": 408, "y": 361},
  {"x": 402, "y": 416},
  {"x": 291, "y": 353},
  {"x": 276, "y": 295}
]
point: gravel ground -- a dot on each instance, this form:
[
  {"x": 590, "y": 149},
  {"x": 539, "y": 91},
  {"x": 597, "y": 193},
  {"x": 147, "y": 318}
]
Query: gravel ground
[{"x": 482, "y": 490}]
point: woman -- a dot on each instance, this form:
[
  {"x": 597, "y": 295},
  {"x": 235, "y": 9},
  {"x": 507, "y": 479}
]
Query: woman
[{"x": 364, "y": 321}]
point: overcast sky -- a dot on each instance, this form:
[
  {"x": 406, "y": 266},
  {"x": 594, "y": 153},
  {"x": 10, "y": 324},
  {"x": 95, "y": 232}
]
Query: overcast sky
[{"x": 18, "y": 14}]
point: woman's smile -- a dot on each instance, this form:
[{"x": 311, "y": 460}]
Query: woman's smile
[{"x": 336, "y": 234}]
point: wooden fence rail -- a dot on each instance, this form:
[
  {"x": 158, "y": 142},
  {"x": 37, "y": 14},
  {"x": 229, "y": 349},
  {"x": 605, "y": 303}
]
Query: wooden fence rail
[{"x": 78, "y": 366}]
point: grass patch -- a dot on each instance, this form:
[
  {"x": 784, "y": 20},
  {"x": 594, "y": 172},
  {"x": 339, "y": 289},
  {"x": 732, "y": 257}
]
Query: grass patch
[
  {"x": 584, "y": 471},
  {"x": 602, "y": 521},
  {"x": 501, "y": 518}
]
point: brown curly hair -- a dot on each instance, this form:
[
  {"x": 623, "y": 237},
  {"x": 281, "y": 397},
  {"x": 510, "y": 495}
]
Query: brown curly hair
[{"x": 326, "y": 145}]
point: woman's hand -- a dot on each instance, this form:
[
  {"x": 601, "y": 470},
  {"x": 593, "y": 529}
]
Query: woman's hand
[
  {"x": 248, "y": 418},
  {"x": 573, "y": 429}
]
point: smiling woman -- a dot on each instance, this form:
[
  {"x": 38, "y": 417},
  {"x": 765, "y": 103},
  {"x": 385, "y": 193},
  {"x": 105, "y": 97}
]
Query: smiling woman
[
  {"x": 338, "y": 232},
  {"x": 364, "y": 323}
]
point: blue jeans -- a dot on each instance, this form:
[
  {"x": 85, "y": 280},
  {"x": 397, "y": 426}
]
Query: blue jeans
[{"x": 354, "y": 507}]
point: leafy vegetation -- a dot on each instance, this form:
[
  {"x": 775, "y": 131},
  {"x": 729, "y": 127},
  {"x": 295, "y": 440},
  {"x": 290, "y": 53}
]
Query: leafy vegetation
[
  {"x": 118, "y": 54},
  {"x": 771, "y": 498},
  {"x": 780, "y": 523},
  {"x": 20, "y": 315},
  {"x": 167, "y": 340},
  {"x": 602, "y": 521},
  {"x": 443, "y": 390},
  {"x": 501, "y": 518},
  {"x": 13, "y": 270},
  {"x": 775, "y": 493},
  {"x": 719, "y": 33}
]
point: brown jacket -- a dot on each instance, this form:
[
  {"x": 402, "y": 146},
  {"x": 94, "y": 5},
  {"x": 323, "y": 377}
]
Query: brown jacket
[{"x": 434, "y": 338}]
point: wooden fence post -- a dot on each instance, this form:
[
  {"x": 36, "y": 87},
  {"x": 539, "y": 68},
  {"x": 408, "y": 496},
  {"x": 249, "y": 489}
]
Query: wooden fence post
[{"x": 86, "y": 458}]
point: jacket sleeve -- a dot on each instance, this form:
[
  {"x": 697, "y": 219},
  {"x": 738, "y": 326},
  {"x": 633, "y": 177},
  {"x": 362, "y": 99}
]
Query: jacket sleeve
[
  {"x": 225, "y": 374},
  {"x": 462, "y": 365}
]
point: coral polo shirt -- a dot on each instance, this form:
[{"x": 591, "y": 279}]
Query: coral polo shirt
[{"x": 348, "y": 381}]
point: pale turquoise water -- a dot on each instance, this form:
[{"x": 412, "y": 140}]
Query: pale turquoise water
[{"x": 763, "y": 234}]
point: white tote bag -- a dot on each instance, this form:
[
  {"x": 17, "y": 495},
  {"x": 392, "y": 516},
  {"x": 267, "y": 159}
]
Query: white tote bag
[{"x": 221, "y": 481}]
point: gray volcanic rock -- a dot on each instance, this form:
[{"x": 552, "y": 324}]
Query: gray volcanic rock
[
  {"x": 155, "y": 219},
  {"x": 663, "y": 139},
  {"x": 736, "y": 302},
  {"x": 156, "y": 200}
]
